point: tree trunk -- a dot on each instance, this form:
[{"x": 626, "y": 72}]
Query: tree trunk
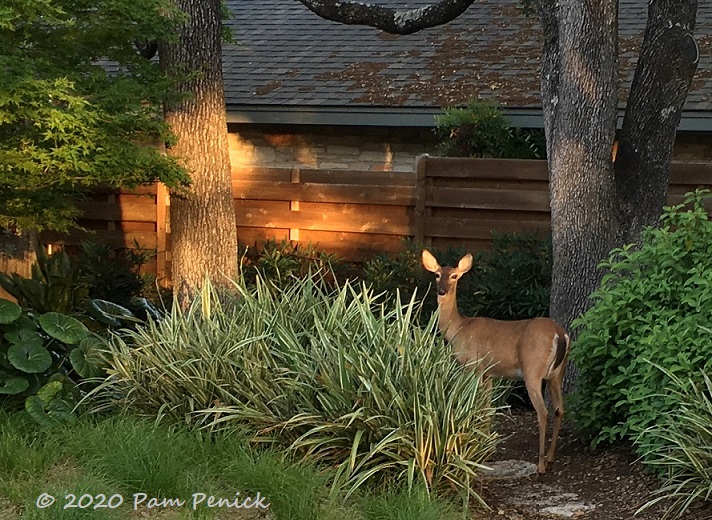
[
  {"x": 579, "y": 79},
  {"x": 667, "y": 63},
  {"x": 203, "y": 224},
  {"x": 594, "y": 207}
]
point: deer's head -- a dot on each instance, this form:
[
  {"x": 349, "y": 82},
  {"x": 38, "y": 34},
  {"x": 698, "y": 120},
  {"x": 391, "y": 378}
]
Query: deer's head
[{"x": 446, "y": 277}]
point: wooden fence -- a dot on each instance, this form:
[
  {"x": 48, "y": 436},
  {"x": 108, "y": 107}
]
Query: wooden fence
[
  {"x": 447, "y": 201},
  {"x": 356, "y": 214},
  {"x": 123, "y": 219}
]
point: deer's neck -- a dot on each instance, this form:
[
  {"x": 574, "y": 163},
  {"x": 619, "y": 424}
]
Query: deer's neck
[{"x": 450, "y": 320}]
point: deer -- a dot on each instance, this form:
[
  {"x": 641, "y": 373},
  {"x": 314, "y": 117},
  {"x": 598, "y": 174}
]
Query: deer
[{"x": 535, "y": 350}]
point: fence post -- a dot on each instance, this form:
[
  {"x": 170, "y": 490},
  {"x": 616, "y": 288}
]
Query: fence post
[
  {"x": 162, "y": 230},
  {"x": 420, "y": 195},
  {"x": 294, "y": 204}
]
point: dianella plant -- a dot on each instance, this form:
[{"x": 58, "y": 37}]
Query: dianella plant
[{"x": 331, "y": 374}]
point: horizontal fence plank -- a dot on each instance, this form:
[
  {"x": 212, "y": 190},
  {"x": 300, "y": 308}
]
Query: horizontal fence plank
[
  {"x": 480, "y": 229},
  {"x": 126, "y": 211},
  {"x": 353, "y": 247},
  {"x": 691, "y": 174},
  {"x": 358, "y": 177},
  {"x": 473, "y": 198},
  {"x": 261, "y": 174},
  {"x": 515, "y": 169},
  {"x": 325, "y": 221},
  {"x": 312, "y": 192},
  {"x": 113, "y": 238}
]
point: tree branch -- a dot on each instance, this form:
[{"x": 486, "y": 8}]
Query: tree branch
[
  {"x": 668, "y": 60},
  {"x": 386, "y": 18}
]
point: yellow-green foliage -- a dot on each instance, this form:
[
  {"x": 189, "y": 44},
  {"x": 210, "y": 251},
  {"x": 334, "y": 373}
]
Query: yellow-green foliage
[{"x": 65, "y": 124}]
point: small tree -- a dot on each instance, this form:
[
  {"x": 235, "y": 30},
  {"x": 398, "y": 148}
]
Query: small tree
[{"x": 66, "y": 123}]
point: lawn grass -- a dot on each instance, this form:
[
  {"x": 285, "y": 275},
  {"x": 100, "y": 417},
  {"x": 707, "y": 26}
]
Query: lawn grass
[{"x": 126, "y": 456}]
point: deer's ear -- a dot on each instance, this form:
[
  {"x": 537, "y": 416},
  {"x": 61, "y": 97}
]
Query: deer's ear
[
  {"x": 429, "y": 262},
  {"x": 465, "y": 264}
]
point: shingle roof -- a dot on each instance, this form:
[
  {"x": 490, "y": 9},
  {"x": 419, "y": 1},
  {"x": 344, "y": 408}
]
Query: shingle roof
[{"x": 286, "y": 56}]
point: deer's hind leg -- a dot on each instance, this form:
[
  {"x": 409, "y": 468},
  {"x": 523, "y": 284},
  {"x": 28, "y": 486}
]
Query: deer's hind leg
[
  {"x": 557, "y": 401},
  {"x": 537, "y": 399}
]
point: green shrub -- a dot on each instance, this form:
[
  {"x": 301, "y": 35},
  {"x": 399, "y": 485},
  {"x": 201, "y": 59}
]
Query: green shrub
[
  {"x": 281, "y": 262},
  {"x": 509, "y": 281},
  {"x": 56, "y": 284},
  {"x": 648, "y": 308},
  {"x": 48, "y": 343},
  {"x": 65, "y": 283},
  {"x": 366, "y": 391},
  {"x": 482, "y": 130},
  {"x": 679, "y": 445}
]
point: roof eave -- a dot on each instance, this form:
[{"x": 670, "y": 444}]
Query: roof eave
[{"x": 416, "y": 117}]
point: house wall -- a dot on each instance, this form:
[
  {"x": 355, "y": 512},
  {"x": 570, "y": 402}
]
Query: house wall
[
  {"x": 693, "y": 147},
  {"x": 369, "y": 148},
  {"x": 328, "y": 147}
]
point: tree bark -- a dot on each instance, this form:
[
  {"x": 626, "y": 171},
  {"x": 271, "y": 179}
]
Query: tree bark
[
  {"x": 387, "y": 19},
  {"x": 668, "y": 60},
  {"x": 579, "y": 99},
  {"x": 203, "y": 224}
]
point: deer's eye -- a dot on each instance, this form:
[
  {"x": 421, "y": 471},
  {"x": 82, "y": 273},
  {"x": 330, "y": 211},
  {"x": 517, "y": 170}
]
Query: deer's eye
[
  {"x": 437, "y": 276},
  {"x": 453, "y": 277}
]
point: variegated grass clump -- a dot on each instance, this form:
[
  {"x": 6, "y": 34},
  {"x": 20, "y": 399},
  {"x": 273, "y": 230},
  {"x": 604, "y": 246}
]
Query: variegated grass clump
[
  {"x": 334, "y": 376},
  {"x": 685, "y": 458}
]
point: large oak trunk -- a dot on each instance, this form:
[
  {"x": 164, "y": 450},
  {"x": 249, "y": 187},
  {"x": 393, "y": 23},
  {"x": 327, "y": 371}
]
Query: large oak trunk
[
  {"x": 595, "y": 204},
  {"x": 203, "y": 225},
  {"x": 579, "y": 97}
]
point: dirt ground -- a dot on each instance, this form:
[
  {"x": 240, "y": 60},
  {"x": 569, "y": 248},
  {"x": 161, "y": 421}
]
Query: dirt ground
[{"x": 608, "y": 484}]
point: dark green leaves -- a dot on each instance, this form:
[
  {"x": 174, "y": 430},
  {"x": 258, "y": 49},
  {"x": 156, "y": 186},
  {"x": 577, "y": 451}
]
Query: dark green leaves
[
  {"x": 65, "y": 124},
  {"x": 64, "y": 328},
  {"x": 651, "y": 306},
  {"x": 12, "y": 385},
  {"x": 9, "y": 311},
  {"x": 29, "y": 358}
]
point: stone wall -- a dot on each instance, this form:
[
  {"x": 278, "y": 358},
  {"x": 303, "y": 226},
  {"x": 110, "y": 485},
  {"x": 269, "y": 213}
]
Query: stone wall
[
  {"x": 369, "y": 148},
  {"x": 346, "y": 148}
]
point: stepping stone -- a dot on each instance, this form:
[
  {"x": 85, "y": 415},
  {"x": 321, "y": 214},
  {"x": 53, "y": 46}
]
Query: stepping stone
[{"x": 509, "y": 470}]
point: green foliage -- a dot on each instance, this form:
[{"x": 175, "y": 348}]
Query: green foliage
[
  {"x": 122, "y": 454},
  {"x": 415, "y": 504},
  {"x": 281, "y": 262},
  {"x": 649, "y": 308},
  {"x": 56, "y": 285},
  {"x": 41, "y": 356},
  {"x": 482, "y": 130},
  {"x": 366, "y": 391},
  {"x": 81, "y": 284},
  {"x": 509, "y": 281},
  {"x": 46, "y": 347},
  {"x": 679, "y": 445},
  {"x": 65, "y": 123}
]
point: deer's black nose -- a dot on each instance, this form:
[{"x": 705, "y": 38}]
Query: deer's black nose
[{"x": 442, "y": 292}]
